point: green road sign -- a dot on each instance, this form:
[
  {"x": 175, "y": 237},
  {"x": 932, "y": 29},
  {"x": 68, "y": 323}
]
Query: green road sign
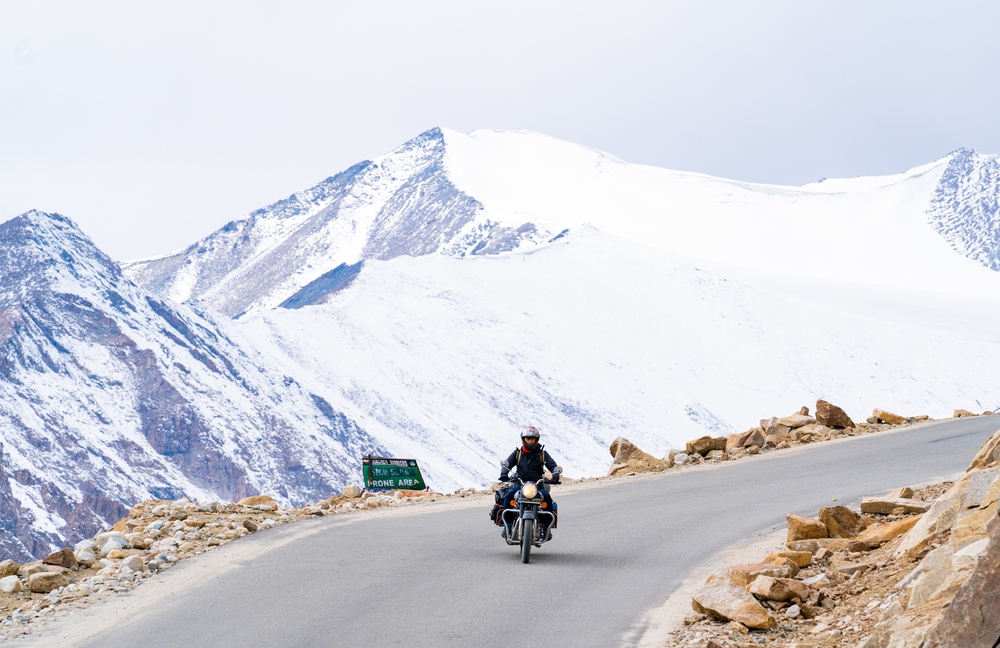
[{"x": 383, "y": 473}]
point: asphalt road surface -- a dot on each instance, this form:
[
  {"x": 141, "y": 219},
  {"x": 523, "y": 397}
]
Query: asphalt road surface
[{"x": 445, "y": 578}]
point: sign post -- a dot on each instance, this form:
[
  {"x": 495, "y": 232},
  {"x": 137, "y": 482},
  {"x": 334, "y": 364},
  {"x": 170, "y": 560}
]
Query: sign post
[{"x": 384, "y": 473}]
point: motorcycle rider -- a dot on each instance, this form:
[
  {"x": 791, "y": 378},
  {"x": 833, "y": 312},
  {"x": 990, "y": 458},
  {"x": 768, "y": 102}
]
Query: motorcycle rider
[{"x": 529, "y": 461}]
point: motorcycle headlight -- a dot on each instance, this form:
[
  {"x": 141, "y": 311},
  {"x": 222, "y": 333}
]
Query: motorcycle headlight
[{"x": 529, "y": 490}]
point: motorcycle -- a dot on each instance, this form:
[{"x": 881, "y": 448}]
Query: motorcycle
[{"x": 530, "y": 522}]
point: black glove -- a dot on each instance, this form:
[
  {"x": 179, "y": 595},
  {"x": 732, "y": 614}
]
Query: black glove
[
  {"x": 554, "y": 480},
  {"x": 504, "y": 477}
]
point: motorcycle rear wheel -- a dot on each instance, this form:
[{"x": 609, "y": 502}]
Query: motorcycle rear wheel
[{"x": 527, "y": 533}]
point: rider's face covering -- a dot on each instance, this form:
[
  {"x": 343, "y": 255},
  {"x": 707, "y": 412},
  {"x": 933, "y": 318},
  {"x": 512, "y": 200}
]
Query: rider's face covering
[{"x": 530, "y": 441}]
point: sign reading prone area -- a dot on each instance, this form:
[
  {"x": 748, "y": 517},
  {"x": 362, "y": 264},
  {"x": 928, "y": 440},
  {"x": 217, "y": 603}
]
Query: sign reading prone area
[{"x": 383, "y": 473}]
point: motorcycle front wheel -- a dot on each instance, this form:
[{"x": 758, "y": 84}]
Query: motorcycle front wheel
[{"x": 527, "y": 533}]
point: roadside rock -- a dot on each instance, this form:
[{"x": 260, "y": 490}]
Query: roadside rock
[
  {"x": 85, "y": 557},
  {"x": 887, "y": 417},
  {"x": 257, "y": 500},
  {"x": 878, "y": 534},
  {"x": 803, "y": 528},
  {"x": 62, "y": 558},
  {"x": 719, "y": 597},
  {"x": 352, "y": 491},
  {"x": 134, "y": 563},
  {"x": 800, "y": 558},
  {"x": 962, "y": 413},
  {"x": 988, "y": 455},
  {"x": 892, "y": 505},
  {"x": 9, "y": 567},
  {"x": 779, "y": 589},
  {"x": 796, "y": 421},
  {"x": 704, "y": 445},
  {"x": 752, "y": 437},
  {"x": 904, "y": 492},
  {"x": 743, "y": 575},
  {"x": 45, "y": 582},
  {"x": 10, "y": 584},
  {"x": 841, "y": 522},
  {"x": 629, "y": 458},
  {"x": 832, "y": 416},
  {"x": 973, "y": 618}
]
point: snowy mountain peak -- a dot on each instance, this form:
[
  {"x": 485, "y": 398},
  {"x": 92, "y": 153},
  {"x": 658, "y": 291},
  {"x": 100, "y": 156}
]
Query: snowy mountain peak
[
  {"x": 402, "y": 203},
  {"x": 965, "y": 207},
  {"x": 47, "y": 247}
]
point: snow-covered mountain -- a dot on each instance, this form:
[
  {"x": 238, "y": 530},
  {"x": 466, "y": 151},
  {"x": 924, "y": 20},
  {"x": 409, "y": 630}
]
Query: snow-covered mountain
[
  {"x": 430, "y": 302},
  {"x": 109, "y": 396}
]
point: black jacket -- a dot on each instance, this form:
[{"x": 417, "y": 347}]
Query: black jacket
[{"x": 529, "y": 464}]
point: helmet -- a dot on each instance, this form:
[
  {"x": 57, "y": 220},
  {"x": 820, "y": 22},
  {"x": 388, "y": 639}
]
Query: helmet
[{"x": 530, "y": 431}]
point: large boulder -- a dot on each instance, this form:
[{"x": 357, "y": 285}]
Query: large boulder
[
  {"x": 45, "y": 582},
  {"x": 965, "y": 494},
  {"x": 9, "y": 567},
  {"x": 832, "y": 416},
  {"x": 257, "y": 500},
  {"x": 887, "y": 417},
  {"x": 962, "y": 413},
  {"x": 352, "y": 491},
  {"x": 10, "y": 584},
  {"x": 841, "y": 522},
  {"x": 804, "y": 528},
  {"x": 892, "y": 505},
  {"x": 796, "y": 421},
  {"x": 988, "y": 455},
  {"x": 752, "y": 437},
  {"x": 779, "y": 589},
  {"x": 62, "y": 558},
  {"x": 878, "y": 534},
  {"x": 704, "y": 445},
  {"x": 721, "y": 598},
  {"x": 629, "y": 458},
  {"x": 973, "y": 617}
]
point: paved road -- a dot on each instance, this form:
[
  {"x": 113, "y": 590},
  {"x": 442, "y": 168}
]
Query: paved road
[{"x": 446, "y": 578}]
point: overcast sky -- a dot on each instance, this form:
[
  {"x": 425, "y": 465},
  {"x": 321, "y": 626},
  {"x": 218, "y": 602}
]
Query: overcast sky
[{"x": 153, "y": 124}]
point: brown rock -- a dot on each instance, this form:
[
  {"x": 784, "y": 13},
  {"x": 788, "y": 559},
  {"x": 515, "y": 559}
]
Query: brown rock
[
  {"x": 809, "y": 546},
  {"x": 803, "y": 528},
  {"x": 249, "y": 525},
  {"x": 890, "y": 505},
  {"x": 804, "y": 411},
  {"x": 256, "y": 500},
  {"x": 63, "y": 558},
  {"x": 849, "y": 568},
  {"x": 841, "y": 522},
  {"x": 779, "y": 589},
  {"x": 962, "y": 413},
  {"x": 796, "y": 421},
  {"x": 830, "y": 415},
  {"x": 905, "y": 492},
  {"x": 776, "y": 439},
  {"x": 834, "y": 544},
  {"x": 710, "y": 643},
  {"x": 752, "y": 437},
  {"x": 973, "y": 617},
  {"x": 719, "y": 597},
  {"x": 888, "y": 417},
  {"x": 857, "y": 546},
  {"x": 44, "y": 582},
  {"x": 988, "y": 455},
  {"x": 120, "y": 525},
  {"x": 878, "y": 534},
  {"x": 9, "y": 568},
  {"x": 800, "y": 558},
  {"x": 704, "y": 445},
  {"x": 628, "y": 458},
  {"x": 743, "y": 575},
  {"x": 733, "y": 442}
]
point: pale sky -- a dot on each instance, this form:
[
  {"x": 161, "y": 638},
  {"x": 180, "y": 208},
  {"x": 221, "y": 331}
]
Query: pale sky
[{"x": 153, "y": 124}]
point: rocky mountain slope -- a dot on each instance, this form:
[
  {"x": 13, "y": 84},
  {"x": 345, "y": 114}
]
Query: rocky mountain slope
[{"x": 109, "y": 396}]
